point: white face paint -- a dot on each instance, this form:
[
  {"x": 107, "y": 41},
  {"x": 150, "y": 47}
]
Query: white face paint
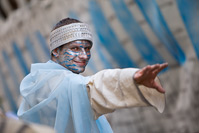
[{"x": 75, "y": 55}]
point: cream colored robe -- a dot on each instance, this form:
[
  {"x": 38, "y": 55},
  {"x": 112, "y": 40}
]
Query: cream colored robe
[{"x": 114, "y": 88}]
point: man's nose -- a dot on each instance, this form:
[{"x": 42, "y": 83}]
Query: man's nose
[{"x": 83, "y": 54}]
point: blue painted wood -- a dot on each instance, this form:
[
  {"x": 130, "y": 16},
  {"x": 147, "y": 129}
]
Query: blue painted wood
[
  {"x": 20, "y": 58},
  {"x": 43, "y": 43},
  {"x": 8, "y": 93},
  {"x": 31, "y": 50},
  {"x": 107, "y": 36},
  {"x": 135, "y": 32},
  {"x": 11, "y": 70},
  {"x": 104, "y": 60},
  {"x": 189, "y": 10},
  {"x": 155, "y": 19}
]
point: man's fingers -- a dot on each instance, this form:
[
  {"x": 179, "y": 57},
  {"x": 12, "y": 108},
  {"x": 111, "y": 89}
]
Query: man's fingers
[
  {"x": 149, "y": 68},
  {"x": 159, "y": 88},
  {"x": 160, "y": 68},
  {"x": 149, "y": 72},
  {"x": 164, "y": 65},
  {"x": 154, "y": 67}
]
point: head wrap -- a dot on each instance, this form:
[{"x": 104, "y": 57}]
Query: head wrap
[{"x": 69, "y": 33}]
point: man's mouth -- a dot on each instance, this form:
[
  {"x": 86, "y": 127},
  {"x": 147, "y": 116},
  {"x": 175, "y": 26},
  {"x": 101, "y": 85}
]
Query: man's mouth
[{"x": 80, "y": 63}]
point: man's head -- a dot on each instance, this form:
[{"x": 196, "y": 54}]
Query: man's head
[{"x": 70, "y": 44}]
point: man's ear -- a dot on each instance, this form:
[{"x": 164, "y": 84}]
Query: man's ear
[{"x": 55, "y": 52}]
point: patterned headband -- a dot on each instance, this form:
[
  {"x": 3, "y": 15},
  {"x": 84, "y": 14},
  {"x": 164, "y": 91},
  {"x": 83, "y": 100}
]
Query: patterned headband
[{"x": 69, "y": 33}]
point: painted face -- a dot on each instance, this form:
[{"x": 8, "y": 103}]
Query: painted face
[{"x": 75, "y": 55}]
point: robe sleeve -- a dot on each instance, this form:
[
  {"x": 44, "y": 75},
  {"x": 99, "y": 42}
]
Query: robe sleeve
[{"x": 115, "y": 88}]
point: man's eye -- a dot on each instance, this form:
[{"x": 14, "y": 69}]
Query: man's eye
[
  {"x": 87, "y": 49},
  {"x": 75, "y": 49}
]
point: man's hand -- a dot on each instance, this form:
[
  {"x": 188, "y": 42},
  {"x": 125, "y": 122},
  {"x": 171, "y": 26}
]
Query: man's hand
[{"x": 146, "y": 76}]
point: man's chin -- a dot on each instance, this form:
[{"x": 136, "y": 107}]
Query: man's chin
[{"x": 79, "y": 70}]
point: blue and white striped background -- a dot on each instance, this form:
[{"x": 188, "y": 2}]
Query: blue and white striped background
[{"x": 127, "y": 34}]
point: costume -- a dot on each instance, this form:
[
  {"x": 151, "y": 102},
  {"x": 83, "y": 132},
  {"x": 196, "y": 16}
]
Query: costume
[{"x": 54, "y": 96}]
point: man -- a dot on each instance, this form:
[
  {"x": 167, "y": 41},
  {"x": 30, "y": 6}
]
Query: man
[{"x": 55, "y": 94}]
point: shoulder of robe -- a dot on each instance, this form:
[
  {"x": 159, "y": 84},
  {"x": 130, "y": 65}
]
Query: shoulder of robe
[{"x": 77, "y": 78}]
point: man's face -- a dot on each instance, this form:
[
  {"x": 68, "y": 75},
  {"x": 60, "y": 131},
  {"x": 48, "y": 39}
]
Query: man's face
[{"x": 75, "y": 55}]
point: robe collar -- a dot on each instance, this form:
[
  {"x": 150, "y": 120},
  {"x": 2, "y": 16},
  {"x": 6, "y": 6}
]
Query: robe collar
[{"x": 48, "y": 65}]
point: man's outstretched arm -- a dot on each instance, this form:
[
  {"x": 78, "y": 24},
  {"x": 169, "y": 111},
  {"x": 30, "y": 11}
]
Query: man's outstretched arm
[{"x": 121, "y": 88}]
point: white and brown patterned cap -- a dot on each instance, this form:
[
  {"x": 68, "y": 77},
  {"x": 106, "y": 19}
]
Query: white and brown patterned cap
[{"x": 69, "y": 33}]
